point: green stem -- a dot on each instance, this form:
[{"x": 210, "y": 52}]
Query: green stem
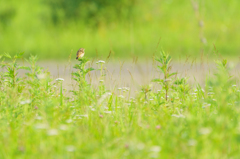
[
  {"x": 61, "y": 95},
  {"x": 166, "y": 89}
]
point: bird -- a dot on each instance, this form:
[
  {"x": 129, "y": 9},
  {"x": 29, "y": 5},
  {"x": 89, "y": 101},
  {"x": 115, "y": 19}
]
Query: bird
[{"x": 80, "y": 53}]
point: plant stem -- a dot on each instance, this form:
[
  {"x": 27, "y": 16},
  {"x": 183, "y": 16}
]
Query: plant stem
[
  {"x": 165, "y": 78},
  {"x": 61, "y": 95}
]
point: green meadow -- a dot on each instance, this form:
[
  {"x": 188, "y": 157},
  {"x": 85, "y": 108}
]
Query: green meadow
[
  {"x": 57, "y": 29},
  {"x": 169, "y": 117},
  {"x": 41, "y": 119}
]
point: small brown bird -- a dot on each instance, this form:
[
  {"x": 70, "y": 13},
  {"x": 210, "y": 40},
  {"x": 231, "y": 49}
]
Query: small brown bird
[{"x": 80, "y": 53}]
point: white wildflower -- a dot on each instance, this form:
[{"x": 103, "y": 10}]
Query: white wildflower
[
  {"x": 125, "y": 88},
  {"x": 192, "y": 142},
  {"x": 155, "y": 149},
  {"x": 204, "y": 131},
  {"x": 85, "y": 115},
  {"x": 70, "y": 148},
  {"x": 100, "y": 61},
  {"x": 178, "y": 116},
  {"x": 211, "y": 93},
  {"x": 25, "y": 101},
  {"x": 121, "y": 96},
  {"x": 206, "y": 105},
  {"x": 77, "y": 117},
  {"x": 52, "y": 132},
  {"x": 38, "y": 118},
  {"x": 108, "y": 112},
  {"x": 63, "y": 127},
  {"x": 59, "y": 79},
  {"x": 69, "y": 121},
  {"x": 41, "y": 126}
]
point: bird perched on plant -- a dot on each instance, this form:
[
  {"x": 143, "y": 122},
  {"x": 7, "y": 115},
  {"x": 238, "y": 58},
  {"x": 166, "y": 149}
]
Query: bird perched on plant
[{"x": 80, "y": 53}]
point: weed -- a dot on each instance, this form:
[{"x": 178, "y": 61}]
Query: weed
[
  {"x": 165, "y": 68},
  {"x": 37, "y": 118}
]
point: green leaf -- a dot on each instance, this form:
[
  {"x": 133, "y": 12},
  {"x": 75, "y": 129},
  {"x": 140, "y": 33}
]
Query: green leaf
[
  {"x": 168, "y": 60},
  {"x": 6, "y": 74},
  {"x": 90, "y": 69},
  {"x": 172, "y": 74},
  {"x": 21, "y": 53},
  {"x": 7, "y": 55},
  {"x": 157, "y": 80},
  {"x": 224, "y": 62},
  {"x": 162, "y": 68},
  {"x": 77, "y": 66},
  {"x": 24, "y": 68},
  {"x": 76, "y": 74},
  {"x": 3, "y": 64},
  {"x": 159, "y": 60}
]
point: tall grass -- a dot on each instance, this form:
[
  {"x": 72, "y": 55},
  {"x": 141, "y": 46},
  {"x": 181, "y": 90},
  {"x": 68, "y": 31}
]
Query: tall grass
[{"x": 39, "y": 120}]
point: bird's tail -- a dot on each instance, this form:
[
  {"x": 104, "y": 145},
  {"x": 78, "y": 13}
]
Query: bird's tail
[{"x": 76, "y": 57}]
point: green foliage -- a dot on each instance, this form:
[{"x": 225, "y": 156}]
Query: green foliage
[
  {"x": 127, "y": 28},
  {"x": 84, "y": 89},
  {"x": 11, "y": 69},
  {"x": 181, "y": 85},
  {"x": 165, "y": 68},
  {"x": 42, "y": 121},
  {"x": 81, "y": 72},
  {"x": 92, "y": 12}
]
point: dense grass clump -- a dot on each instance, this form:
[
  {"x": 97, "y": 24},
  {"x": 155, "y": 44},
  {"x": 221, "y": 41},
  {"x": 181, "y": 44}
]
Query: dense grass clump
[{"x": 39, "y": 120}]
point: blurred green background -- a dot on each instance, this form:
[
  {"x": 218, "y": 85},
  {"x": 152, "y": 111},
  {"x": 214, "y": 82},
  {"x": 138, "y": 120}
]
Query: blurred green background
[{"x": 53, "y": 29}]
